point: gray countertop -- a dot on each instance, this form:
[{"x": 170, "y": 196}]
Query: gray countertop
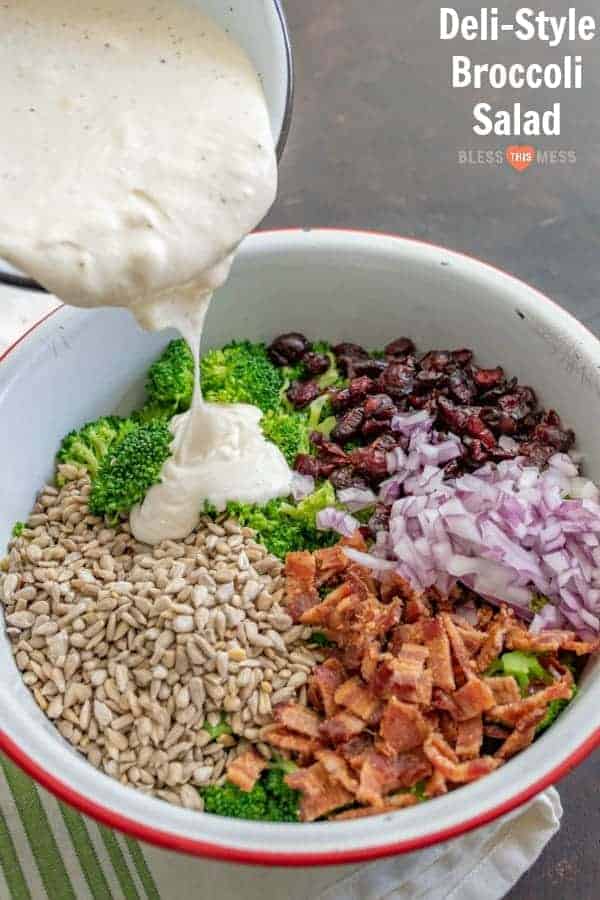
[{"x": 375, "y": 143}]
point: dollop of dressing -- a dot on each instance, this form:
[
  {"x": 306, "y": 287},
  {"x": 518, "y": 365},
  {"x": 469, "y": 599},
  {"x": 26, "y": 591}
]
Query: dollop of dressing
[{"x": 136, "y": 155}]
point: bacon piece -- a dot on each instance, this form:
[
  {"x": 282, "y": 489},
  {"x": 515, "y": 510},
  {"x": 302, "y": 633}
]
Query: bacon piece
[
  {"x": 436, "y": 785},
  {"x": 510, "y": 713},
  {"x": 356, "y": 749},
  {"x": 298, "y": 718},
  {"x": 281, "y": 737},
  {"x": 338, "y": 770},
  {"x": 356, "y": 541},
  {"x": 504, "y": 688},
  {"x": 443, "y": 758},
  {"x": 471, "y": 637},
  {"x": 469, "y": 738},
  {"x": 320, "y": 793},
  {"x": 394, "y": 587},
  {"x": 324, "y": 682},
  {"x": 300, "y": 583},
  {"x": 497, "y": 732},
  {"x": 354, "y": 696},
  {"x": 550, "y": 641},
  {"x": 522, "y": 735},
  {"x": 494, "y": 642},
  {"x": 459, "y": 650},
  {"x": 447, "y": 725},
  {"x": 246, "y": 769},
  {"x": 473, "y": 698},
  {"x": 330, "y": 561},
  {"x": 402, "y": 726},
  {"x": 405, "y": 633},
  {"x": 417, "y": 608},
  {"x": 403, "y": 676},
  {"x": 321, "y": 612},
  {"x": 380, "y": 775},
  {"x": 370, "y": 658},
  {"x": 341, "y": 727},
  {"x": 440, "y": 661},
  {"x": 393, "y": 804}
]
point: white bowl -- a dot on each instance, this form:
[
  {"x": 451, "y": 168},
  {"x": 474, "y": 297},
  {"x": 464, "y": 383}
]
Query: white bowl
[{"x": 76, "y": 365}]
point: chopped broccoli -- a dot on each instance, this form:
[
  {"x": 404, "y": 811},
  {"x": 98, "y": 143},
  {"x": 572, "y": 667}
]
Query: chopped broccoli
[
  {"x": 18, "y": 529},
  {"x": 215, "y": 731},
  {"x": 270, "y": 800},
  {"x": 89, "y": 446},
  {"x": 538, "y": 602},
  {"x": 288, "y": 431},
  {"x": 130, "y": 470},
  {"x": 418, "y": 790},
  {"x": 283, "y": 527},
  {"x": 555, "y": 707},
  {"x": 320, "y": 639},
  {"x": 241, "y": 373},
  {"x": 171, "y": 378},
  {"x": 524, "y": 667}
]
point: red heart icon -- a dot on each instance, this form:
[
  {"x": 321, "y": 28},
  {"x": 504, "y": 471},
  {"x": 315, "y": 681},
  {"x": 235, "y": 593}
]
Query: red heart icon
[{"x": 520, "y": 157}]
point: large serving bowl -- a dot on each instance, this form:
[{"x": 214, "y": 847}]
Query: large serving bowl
[{"x": 371, "y": 288}]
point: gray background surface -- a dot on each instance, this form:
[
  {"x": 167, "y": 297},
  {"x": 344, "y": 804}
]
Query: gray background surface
[{"x": 374, "y": 144}]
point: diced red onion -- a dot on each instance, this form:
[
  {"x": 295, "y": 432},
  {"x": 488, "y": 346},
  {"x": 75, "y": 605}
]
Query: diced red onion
[
  {"x": 332, "y": 519},
  {"x": 302, "y": 486},
  {"x": 357, "y": 498},
  {"x": 408, "y": 423},
  {"x": 370, "y": 562}
]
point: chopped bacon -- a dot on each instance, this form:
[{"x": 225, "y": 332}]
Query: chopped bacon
[
  {"x": 494, "y": 642},
  {"x": 436, "y": 785},
  {"x": 549, "y": 641},
  {"x": 405, "y": 633},
  {"x": 459, "y": 650},
  {"x": 440, "y": 662},
  {"x": 392, "y": 804},
  {"x": 447, "y": 725},
  {"x": 497, "y": 732},
  {"x": 403, "y": 726},
  {"x": 522, "y": 735},
  {"x": 356, "y": 749},
  {"x": 300, "y": 583},
  {"x": 504, "y": 688},
  {"x": 281, "y": 737},
  {"x": 246, "y": 769},
  {"x": 324, "y": 682},
  {"x": 510, "y": 713},
  {"x": 319, "y": 613},
  {"x": 469, "y": 738},
  {"x": 338, "y": 770},
  {"x": 320, "y": 793},
  {"x": 473, "y": 698},
  {"x": 402, "y": 677},
  {"x": 443, "y": 759},
  {"x": 342, "y": 727},
  {"x": 354, "y": 696},
  {"x": 417, "y": 608},
  {"x": 394, "y": 587},
  {"x": 298, "y": 718},
  {"x": 380, "y": 775},
  {"x": 369, "y": 661}
]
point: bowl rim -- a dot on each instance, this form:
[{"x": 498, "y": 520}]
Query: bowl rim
[{"x": 220, "y": 851}]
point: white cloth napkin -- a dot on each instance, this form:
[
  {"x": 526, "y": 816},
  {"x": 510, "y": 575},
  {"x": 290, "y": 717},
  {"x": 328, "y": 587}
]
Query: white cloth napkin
[{"x": 483, "y": 865}]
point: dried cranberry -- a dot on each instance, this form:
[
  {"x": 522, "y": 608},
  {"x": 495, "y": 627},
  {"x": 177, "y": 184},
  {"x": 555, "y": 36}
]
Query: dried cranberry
[
  {"x": 555, "y": 436},
  {"x": 439, "y": 360},
  {"x": 431, "y": 377},
  {"x": 476, "y": 428},
  {"x": 301, "y": 393},
  {"x": 371, "y": 461},
  {"x": 461, "y": 387},
  {"x": 454, "y": 416},
  {"x": 398, "y": 380},
  {"x": 373, "y": 427},
  {"x": 360, "y": 387},
  {"x": 341, "y": 399},
  {"x": 476, "y": 451},
  {"x": 330, "y": 452},
  {"x": 385, "y": 442},
  {"x": 400, "y": 347},
  {"x": 347, "y": 477},
  {"x": 307, "y": 465},
  {"x": 316, "y": 363},
  {"x": 379, "y": 406},
  {"x": 288, "y": 348},
  {"x": 515, "y": 405},
  {"x": 371, "y": 367},
  {"x": 462, "y": 357},
  {"x": 348, "y": 349},
  {"x": 499, "y": 421},
  {"x": 538, "y": 454},
  {"x": 488, "y": 378},
  {"x": 348, "y": 426}
]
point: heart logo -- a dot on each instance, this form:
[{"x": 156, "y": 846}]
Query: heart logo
[{"x": 520, "y": 157}]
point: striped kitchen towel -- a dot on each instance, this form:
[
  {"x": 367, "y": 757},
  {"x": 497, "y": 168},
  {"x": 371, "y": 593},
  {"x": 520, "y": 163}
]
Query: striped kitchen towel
[{"x": 48, "y": 851}]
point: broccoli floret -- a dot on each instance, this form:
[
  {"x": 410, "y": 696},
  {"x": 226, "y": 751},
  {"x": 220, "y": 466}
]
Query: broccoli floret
[
  {"x": 130, "y": 470},
  {"x": 524, "y": 667},
  {"x": 18, "y": 529},
  {"x": 215, "y": 731},
  {"x": 171, "y": 378},
  {"x": 555, "y": 707},
  {"x": 89, "y": 446},
  {"x": 288, "y": 431},
  {"x": 320, "y": 639},
  {"x": 270, "y": 800},
  {"x": 241, "y": 373},
  {"x": 283, "y": 527}
]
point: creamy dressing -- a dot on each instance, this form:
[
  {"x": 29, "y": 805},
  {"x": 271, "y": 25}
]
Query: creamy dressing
[{"x": 136, "y": 155}]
